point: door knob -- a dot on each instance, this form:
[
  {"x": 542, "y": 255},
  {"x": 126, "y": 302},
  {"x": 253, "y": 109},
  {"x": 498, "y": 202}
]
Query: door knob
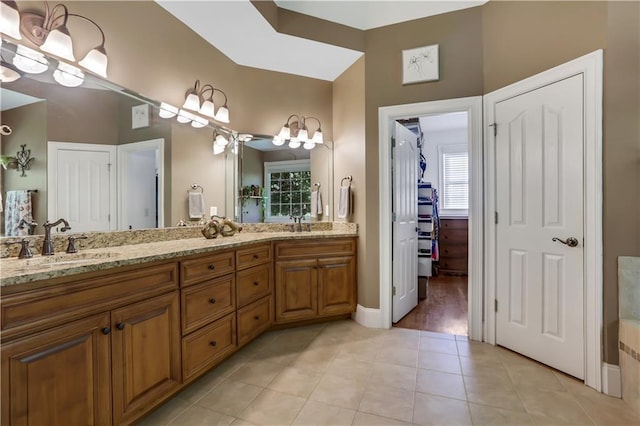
[{"x": 571, "y": 242}]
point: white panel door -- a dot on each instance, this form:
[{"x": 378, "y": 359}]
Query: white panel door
[
  {"x": 539, "y": 197},
  {"x": 405, "y": 209},
  {"x": 82, "y": 185}
]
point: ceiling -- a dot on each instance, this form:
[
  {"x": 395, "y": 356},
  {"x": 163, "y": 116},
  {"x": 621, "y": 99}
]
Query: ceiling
[{"x": 242, "y": 34}]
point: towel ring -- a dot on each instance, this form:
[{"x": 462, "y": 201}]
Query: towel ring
[
  {"x": 317, "y": 185},
  {"x": 348, "y": 179},
  {"x": 196, "y": 186}
]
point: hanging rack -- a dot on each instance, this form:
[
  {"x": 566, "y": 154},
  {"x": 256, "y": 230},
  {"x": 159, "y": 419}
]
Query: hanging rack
[
  {"x": 348, "y": 179},
  {"x": 196, "y": 186}
]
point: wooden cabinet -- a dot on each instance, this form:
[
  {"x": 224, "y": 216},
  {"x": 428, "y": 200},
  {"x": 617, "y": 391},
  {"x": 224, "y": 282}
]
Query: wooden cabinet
[
  {"x": 207, "y": 346},
  {"x": 206, "y": 302},
  {"x": 60, "y": 376},
  {"x": 453, "y": 246},
  {"x": 314, "y": 279}
]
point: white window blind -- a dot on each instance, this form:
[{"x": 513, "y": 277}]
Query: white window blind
[{"x": 455, "y": 179}]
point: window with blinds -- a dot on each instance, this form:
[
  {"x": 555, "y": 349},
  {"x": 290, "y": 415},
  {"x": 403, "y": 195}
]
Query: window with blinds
[{"x": 454, "y": 177}]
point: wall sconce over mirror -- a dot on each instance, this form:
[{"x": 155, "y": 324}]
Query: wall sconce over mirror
[
  {"x": 296, "y": 132},
  {"x": 200, "y": 99}
]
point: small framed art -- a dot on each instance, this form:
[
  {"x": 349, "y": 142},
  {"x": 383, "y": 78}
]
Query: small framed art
[{"x": 420, "y": 64}]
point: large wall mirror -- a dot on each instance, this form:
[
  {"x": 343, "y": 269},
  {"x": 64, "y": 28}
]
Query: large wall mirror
[{"x": 99, "y": 130}]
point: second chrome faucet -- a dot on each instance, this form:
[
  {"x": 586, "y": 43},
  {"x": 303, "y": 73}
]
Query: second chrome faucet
[{"x": 47, "y": 245}]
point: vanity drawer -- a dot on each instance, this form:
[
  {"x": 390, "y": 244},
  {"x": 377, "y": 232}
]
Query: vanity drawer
[
  {"x": 208, "y": 346},
  {"x": 206, "y": 302},
  {"x": 254, "y": 319},
  {"x": 204, "y": 268},
  {"x": 307, "y": 249},
  {"x": 254, "y": 283},
  {"x": 252, "y": 256}
]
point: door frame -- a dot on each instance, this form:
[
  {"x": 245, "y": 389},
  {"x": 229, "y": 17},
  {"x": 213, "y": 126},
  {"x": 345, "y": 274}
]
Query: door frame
[
  {"x": 590, "y": 66},
  {"x": 386, "y": 118}
]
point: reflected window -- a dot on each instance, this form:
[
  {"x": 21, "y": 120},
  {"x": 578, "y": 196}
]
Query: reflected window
[{"x": 288, "y": 189}]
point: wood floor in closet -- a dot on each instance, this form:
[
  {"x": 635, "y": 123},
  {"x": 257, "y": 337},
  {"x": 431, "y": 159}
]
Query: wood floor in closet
[{"x": 444, "y": 310}]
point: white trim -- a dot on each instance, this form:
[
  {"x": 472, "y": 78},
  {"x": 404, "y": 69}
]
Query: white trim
[
  {"x": 281, "y": 166},
  {"x": 367, "y": 317},
  {"x": 156, "y": 145},
  {"x": 611, "y": 380},
  {"x": 386, "y": 118},
  {"x": 590, "y": 66}
]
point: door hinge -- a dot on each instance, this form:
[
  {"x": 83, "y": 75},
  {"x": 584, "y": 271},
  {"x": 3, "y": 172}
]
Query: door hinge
[
  {"x": 495, "y": 305},
  {"x": 393, "y": 217},
  {"x": 496, "y": 219},
  {"x": 394, "y": 290},
  {"x": 109, "y": 167},
  {"x": 495, "y": 129},
  {"x": 393, "y": 142},
  {"x": 108, "y": 217}
]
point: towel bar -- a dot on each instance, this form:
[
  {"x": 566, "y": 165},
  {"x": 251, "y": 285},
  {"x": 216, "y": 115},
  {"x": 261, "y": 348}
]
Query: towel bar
[{"x": 196, "y": 186}]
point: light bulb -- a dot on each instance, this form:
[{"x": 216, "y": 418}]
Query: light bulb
[
  {"x": 317, "y": 137},
  {"x": 303, "y": 135},
  {"x": 192, "y": 101},
  {"x": 308, "y": 145},
  {"x": 278, "y": 141},
  {"x": 207, "y": 109},
  {"x": 8, "y": 73},
  {"x": 30, "y": 61},
  {"x": 184, "y": 116},
  {"x": 10, "y": 20},
  {"x": 68, "y": 75},
  {"x": 59, "y": 43},
  {"x": 294, "y": 143},
  {"x": 96, "y": 61},
  {"x": 223, "y": 114},
  {"x": 199, "y": 122},
  {"x": 167, "y": 111}
]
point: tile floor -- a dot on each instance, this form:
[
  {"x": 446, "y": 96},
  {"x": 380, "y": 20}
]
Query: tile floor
[{"x": 340, "y": 373}]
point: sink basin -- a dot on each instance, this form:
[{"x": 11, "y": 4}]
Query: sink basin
[{"x": 69, "y": 258}]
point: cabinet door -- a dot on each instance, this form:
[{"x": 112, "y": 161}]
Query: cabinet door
[
  {"x": 145, "y": 354},
  {"x": 336, "y": 286},
  {"x": 296, "y": 290},
  {"x": 58, "y": 377}
]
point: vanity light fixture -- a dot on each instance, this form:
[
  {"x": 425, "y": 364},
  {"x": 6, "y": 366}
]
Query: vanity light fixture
[
  {"x": 196, "y": 99},
  {"x": 167, "y": 110},
  {"x": 68, "y": 75},
  {"x": 51, "y": 34},
  {"x": 10, "y": 19},
  {"x": 220, "y": 142},
  {"x": 29, "y": 60},
  {"x": 297, "y": 133}
]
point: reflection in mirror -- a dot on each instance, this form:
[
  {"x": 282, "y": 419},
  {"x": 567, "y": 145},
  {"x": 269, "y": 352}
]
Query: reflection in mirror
[{"x": 277, "y": 182}]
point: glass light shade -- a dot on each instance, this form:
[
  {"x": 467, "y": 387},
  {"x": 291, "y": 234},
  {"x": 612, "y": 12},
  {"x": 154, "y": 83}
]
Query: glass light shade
[
  {"x": 30, "y": 61},
  {"x": 217, "y": 149},
  {"x": 285, "y": 133},
  {"x": 68, "y": 75},
  {"x": 207, "y": 109},
  {"x": 8, "y": 73},
  {"x": 303, "y": 135},
  {"x": 223, "y": 114},
  {"x": 184, "y": 116},
  {"x": 317, "y": 137},
  {"x": 199, "y": 122},
  {"x": 308, "y": 145},
  {"x": 10, "y": 21},
  {"x": 278, "y": 141},
  {"x": 294, "y": 143},
  {"x": 96, "y": 61},
  {"x": 167, "y": 111},
  {"x": 221, "y": 140},
  {"x": 192, "y": 102},
  {"x": 59, "y": 43}
]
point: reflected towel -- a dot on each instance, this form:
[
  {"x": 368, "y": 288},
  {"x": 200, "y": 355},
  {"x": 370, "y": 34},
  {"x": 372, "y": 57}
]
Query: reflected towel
[
  {"x": 316, "y": 203},
  {"x": 344, "y": 202},
  {"x": 17, "y": 207},
  {"x": 196, "y": 205}
]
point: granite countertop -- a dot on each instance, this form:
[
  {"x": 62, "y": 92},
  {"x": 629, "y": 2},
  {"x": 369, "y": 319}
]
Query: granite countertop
[{"x": 15, "y": 271}]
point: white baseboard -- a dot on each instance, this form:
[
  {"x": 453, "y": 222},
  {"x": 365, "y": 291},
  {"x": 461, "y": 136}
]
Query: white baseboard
[
  {"x": 611, "y": 380},
  {"x": 367, "y": 317}
]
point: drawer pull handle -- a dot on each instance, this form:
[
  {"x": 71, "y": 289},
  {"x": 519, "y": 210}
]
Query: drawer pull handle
[
  {"x": 106, "y": 330},
  {"x": 212, "y": 267},
  {"x": 255, "y": 256},
  {"x": 212, "y": 300},
  {"x": 256, "y": 283},
  {"x": 120, "y": 326},
  {"x": 256, "y": 318},
  {"x": 213, "y": 343}
]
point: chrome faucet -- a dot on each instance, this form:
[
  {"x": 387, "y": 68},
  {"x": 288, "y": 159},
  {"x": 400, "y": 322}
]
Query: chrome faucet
[
  {"x": 297, "y": 220},
  {"x": 47, "y": 245}
]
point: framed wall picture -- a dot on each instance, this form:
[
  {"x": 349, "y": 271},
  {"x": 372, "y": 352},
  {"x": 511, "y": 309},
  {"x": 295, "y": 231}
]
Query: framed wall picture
[
  {"x": 140, "y": 116},
  {"x": 420, "y": 64}
]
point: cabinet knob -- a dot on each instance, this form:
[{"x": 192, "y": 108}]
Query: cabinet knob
[
  {"x": 120, "y": 326},
  {"x": 255, "y": 256},
  {"x": 106, "y": 330},
  {"x": 212, "y": 300},
  {"x": 256, "y": 283},
  {"x": 256, "y": 318},
  {"x": 213, "y": 343},
  {"x": 212, "y": 267}
]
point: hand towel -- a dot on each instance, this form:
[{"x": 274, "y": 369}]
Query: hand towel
[
  {"x": 316, "y": 203},
  {"x": 17, "y": 207},
  {"x": 344, "y": 202},
  {"x": 196, "y": 205}
]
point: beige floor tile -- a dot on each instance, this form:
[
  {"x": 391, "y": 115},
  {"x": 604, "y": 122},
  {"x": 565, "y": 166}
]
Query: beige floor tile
[
  {"x": 295, "y": 381},
  {"x": 398, "y": 355},
  {"x": 165, "y": 413},
  {"x": 606, "y": 410},
  {"x": 499, "y": 379},
  {"x": 435, "y": 335},
  {"x": 198, "y": 416},
  {"x": 202, "y": 386},
  {"x": 359, "y": 351},
  {"x": 387, "y": 402},
  {"x": 482, "y": 415},
  {"x": 242, "y": 422},
  {"x": 431, "y": 344},
  {"x": 548, "y": 407},
  {"x": 259, "y": 373},
  {"x": 400, "y": 339},
  {"x": 366, "y": 419},
  {"x": 437, "y": 410},
  {"x": 230, "y": 398},
  {"x": 340, "y": 391},
  {"x": 351, "y": 369},
  {"x": 534, "y": 376},
  {"x": 496, "y": 391},
  {"x": 277, "y": 355},
  {"x": 396, "y": 376},
  {"x": 439, "y": 362},
  {"x": 273, "y": 408},
  {"x": 316, "y": 359},
  {"x": 439, "y": 383},
  {"x": 482, "y": 366},
  {"x": 318, "y": 413},
  {"x": 476, "y": 349}
]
